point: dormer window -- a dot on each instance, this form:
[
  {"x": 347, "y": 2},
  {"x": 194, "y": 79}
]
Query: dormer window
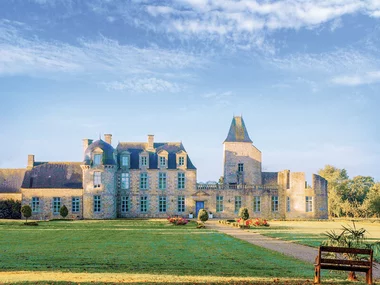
[
  {"x": 144, "y": 161},
  {"x": 181, "y": 158},
  {"x": 162, "y": 161},
  {"x": 125, "y": 161},
  {"x": 97, "y": 159},
  {"x": 181, "y": 161}
]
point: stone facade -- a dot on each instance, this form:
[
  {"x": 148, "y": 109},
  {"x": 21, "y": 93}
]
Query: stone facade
[{"x": 149, "y": 179}]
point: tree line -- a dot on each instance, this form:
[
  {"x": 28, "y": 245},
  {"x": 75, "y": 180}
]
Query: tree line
[{"x": 351, "y": 197}]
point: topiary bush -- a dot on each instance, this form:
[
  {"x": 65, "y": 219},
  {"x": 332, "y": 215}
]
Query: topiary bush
[
  {"x": 63, "y": 211},
  {"x": 243, "y": 213},
  {"x": 26, "y": 212},
  {"x": 202, "y": 215}
]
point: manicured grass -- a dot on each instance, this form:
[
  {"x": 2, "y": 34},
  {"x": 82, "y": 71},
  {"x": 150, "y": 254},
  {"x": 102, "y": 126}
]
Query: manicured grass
[
  {"x": 311, "y": 233},
  {"x": 138, "y": 246}
]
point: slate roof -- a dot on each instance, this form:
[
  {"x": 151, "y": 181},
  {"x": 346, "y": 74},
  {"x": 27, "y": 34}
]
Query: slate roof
[
  {"x": 238, "y": 132},
  {"x": 11, "y": 180},
  {"x": 136, "y": 148},
  {"x": 108, "y": 150},
  {"x": 54, "y": 175},
  {"x": 269, "y": 178}
]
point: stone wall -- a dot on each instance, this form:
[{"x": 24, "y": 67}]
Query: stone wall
[
  {"x": 246, "y": 153},
  {"x": 46, "y": 202},
  {"x": 12, "y": 196},
  {"x": 319, "y": 185}
]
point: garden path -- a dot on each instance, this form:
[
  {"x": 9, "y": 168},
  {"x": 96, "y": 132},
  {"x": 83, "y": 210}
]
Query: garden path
[{"x": 302, "y": 252}]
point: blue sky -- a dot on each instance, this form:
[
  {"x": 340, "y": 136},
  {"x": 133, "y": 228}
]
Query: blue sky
[{"x": 305, "y": 75}]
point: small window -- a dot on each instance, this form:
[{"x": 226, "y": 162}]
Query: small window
[
  {"x": 162, "y": 180},
  {"x": 181, "y": 180},
  {"x": 181, "y": 161},
  {"x": 162, "y": 161},
  {"x": 125, "y": 180},
  {"x": 288, "y": 204},
  {"x": 237, "y": 203},
  {"x": 97, "y": 159},
  {"x": 144, "y": 181},
  {"x": 35, "y": 204},
  {"x": 274, "y": 203},
  {"x": 144, "y": 204},
  {"x": 181, "y": 204},
  {"x": 124, "y": 204},
  {"x": 162, "y": 204},
  {"x": 257, "y": 204},
  {"x": 97, "y": 179},
  {"x": 75, "y": 202},
  {"x": 219, "y": 203},
  {"x": 309, "y": 204},
  {"x": 56, "y": 205},
  {"x": 125, "y": 161},
  {"x": 97, "y": 204},
  {"x": 144, "y": 161},
  {"x": 241, "y": 167}
]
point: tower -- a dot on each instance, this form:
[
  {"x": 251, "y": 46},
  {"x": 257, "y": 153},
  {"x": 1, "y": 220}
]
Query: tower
[
  {"x": 99, "y": 180},
  {"x": 242, "y": 160}
]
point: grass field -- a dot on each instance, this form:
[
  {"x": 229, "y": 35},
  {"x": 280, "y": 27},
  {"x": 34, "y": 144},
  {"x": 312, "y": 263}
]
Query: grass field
[
  {"x": 311, "y": 233},
  {"x": 139, "y": 247}
]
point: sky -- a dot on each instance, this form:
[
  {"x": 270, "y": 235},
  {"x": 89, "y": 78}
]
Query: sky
[{"x": 304, "y": 74}]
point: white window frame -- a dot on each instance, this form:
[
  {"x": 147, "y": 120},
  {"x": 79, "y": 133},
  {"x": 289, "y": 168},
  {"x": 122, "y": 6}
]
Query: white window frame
[
  {"x": 238, "y": 203},
  {"x": 97, "y": 204},
  {"x": 162, "y": 204},
  {"x": 240, "y": 167},
  {"x": 274, "y": 204},
  {"x": 162, "y": 180},
  {"x": 144, "y": 181},
  {"x": 181, "y": 161},
  {"x": 143, "y": 160},
  {"x": 56, "y": 205},
  {"x": 181, "y": 200},
  {"x": 162, "y": 161},
  {"x": 181, "y": 180},
  {"x": 125, "y": 161},
  {"x": 256, "y": 204},
  {"x": 124, "y": 207},
  {"x": 75, "y": 204},
  {"x": 124, "y": 180},
  {"x": 309, "y": 204},
  {"x": 36, "y": 204},
  {"x": 97, "y": 179},
  {"x": 143, "y": 204},
  {"x": 219, "y": 204}
]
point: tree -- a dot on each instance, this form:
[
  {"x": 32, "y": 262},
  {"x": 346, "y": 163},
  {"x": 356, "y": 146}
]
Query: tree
[
  {"x": 202, "y": 215},
  {"x": 63, "y": 211},
  {"x": 243, "y": 213},
  {"x": 26, "y": 212},
  {"x": 372, "y": 201}
]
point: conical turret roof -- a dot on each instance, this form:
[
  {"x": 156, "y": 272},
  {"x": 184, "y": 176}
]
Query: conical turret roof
[{"x": 238, "y": 132}]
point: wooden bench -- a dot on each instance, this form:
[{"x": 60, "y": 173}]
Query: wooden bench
[{"x": 340, "y": 263}]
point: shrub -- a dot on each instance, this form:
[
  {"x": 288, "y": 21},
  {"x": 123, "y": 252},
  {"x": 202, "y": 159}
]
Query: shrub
[
  {"x": 202, "y": 215},
  {"x": 243, "y": 213},
  {"x": 10, "y": 209},
  {"x": 63, "y": 211},
  {"x": 26, "y": 212},
  {"x": 178, "y": 221}
]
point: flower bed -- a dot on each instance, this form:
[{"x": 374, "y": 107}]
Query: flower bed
[
  {"x": 178, "y": 221},
  {"x": 240, "y": 223}
]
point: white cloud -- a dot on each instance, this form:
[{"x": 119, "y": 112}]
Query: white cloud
[
  {"x": 144, "y": 85},
  {"x": 358, "y": 79}
]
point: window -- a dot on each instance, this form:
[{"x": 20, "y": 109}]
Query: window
[
  {"x": 181, "y": 180},
  {"x": 56, "y": 205},
  {"x": 75, "y": 202},
  {"x": 162, "y": 161},
  {"x": 144, "y": 204},
  {"x": 219, "y": 203},
  {"x": 241, "y": 167},
  {"x": 162, "y": 180},
  {"x": 144, "y": 181},
  {"x": 97, "y": 179},
  {"x": 35, "y": 204},
  {"x": 125, "y": 161},
  {"x": 144, "y": 160},
  {"x": 237, "y": 203},
  {"x": 181, "y": 203},
  {"x": 97, "y": 204},
  {"x": 309, "y": 204},
  {"x": 124, "y": 204},
  {"x": 181, "y": 161},
  {"x": 97, "y": 159},
  {"x": 288, "y": 204},
  {"x": 257, "y": 204},
  {"x": 274, "y": 203},
  {"x": 162, "y": 204},
  {"x": 125, "y": 180}
]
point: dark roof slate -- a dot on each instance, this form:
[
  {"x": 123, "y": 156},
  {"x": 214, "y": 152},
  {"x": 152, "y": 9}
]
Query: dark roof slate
[
  {"x": 238, "y": 132},
  {"x": 108, "y": 150},
  {"x": 11, "y": 180},
  {"x": 54, "y": 175},
  {"x": 136, "y": 148},
  {"x": 269, "y": 178}
]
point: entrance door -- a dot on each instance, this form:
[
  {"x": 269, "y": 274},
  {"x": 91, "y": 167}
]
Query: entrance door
[{"x": 199, "y": 205}]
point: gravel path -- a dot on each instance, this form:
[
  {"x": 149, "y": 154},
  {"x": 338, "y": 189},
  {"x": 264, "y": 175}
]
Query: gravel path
[{"x": 295, "y": 250}]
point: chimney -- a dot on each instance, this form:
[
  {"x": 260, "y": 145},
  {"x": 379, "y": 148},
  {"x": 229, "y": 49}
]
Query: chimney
[
  {"x": 86, "y": 143},
  {"x": 150, "y": 142},
  {"x": 108, "y": 138},
  {"x": 30, "y": 161}
]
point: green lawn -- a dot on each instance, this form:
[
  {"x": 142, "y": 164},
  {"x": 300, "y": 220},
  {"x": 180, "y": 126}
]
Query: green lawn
[
  {"x": 311, "y": 233},
  {"x": 138, "y": 246}
]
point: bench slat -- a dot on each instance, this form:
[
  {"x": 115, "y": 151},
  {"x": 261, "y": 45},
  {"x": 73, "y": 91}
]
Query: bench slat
[
  {"x": 345, "y": 250},
  {"x": 345, "y": 261},
  {"x": 344, "y": 268}
]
